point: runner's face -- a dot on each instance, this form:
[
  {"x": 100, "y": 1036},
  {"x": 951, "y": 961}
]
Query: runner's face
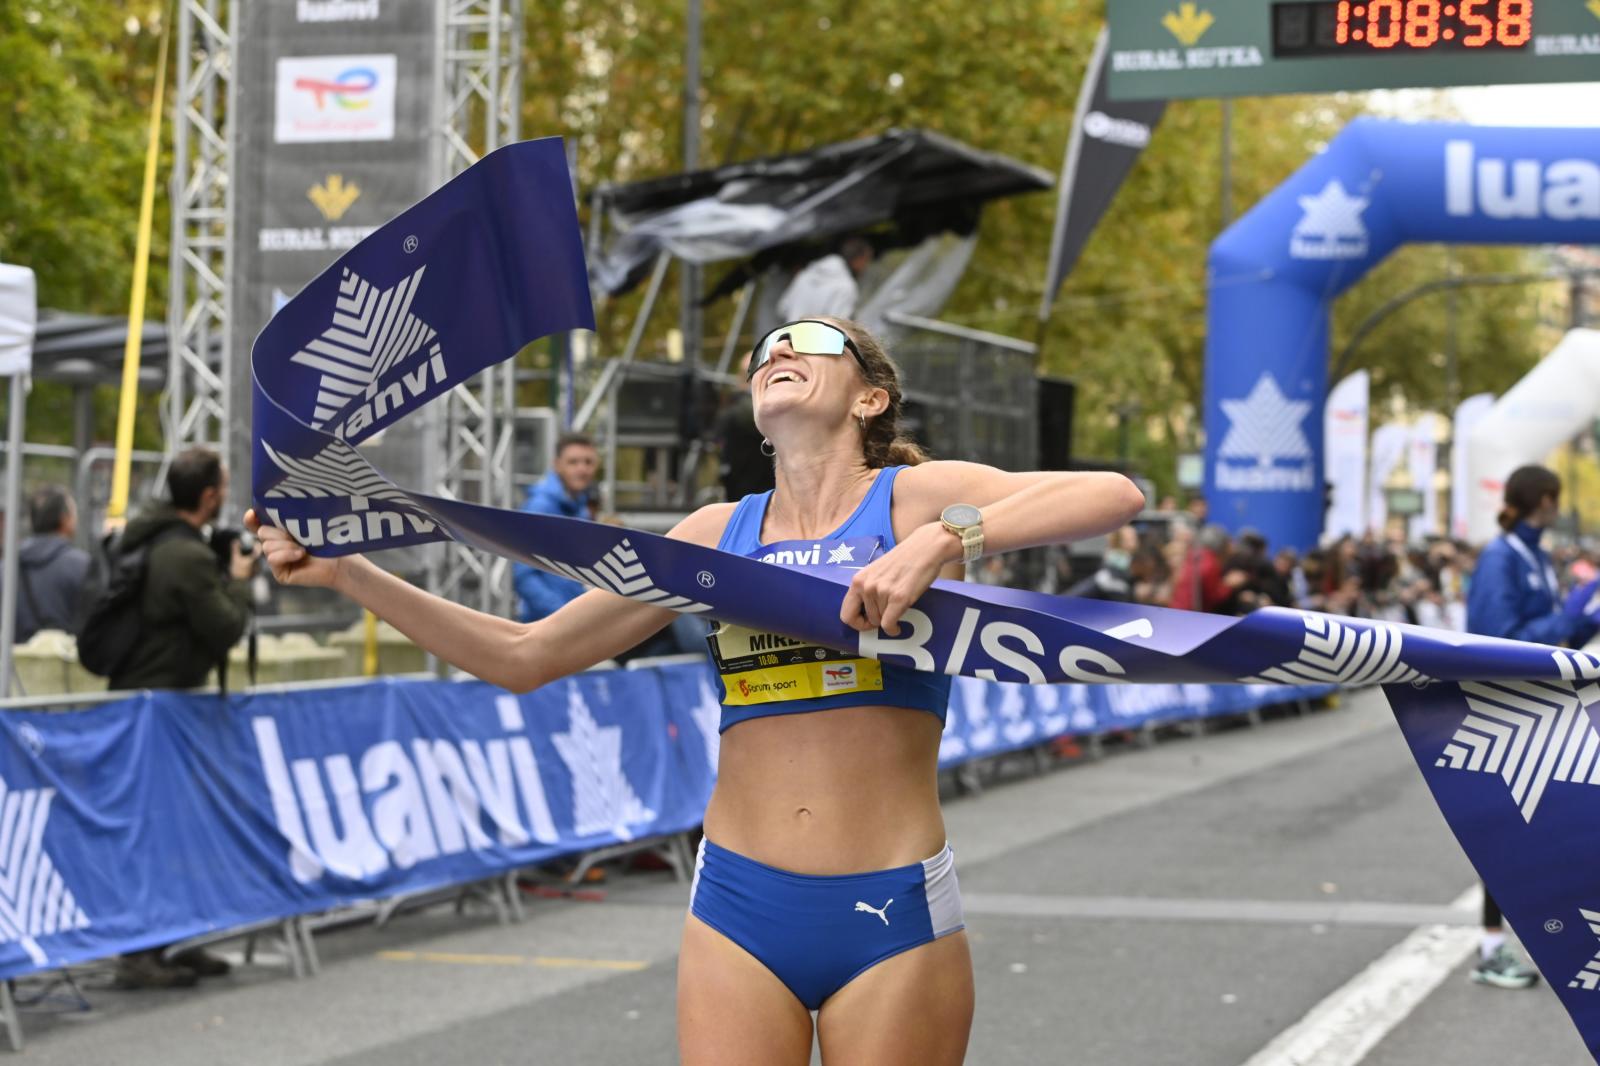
[{"x": 794, "y": 380}]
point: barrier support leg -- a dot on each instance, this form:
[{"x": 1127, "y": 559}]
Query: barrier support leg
[
  {"x": 680, "y": 856},
  {"x": 512, "y": 894},
  {"x": 1096, "y": 748},
  {"x": 968, "y": 780},
  {"x": 308, "y": 947},
  {"x": 1252, "y": 717},
  {"x": 289, "y": 930},
  {"x": 8, "y": 1012}
]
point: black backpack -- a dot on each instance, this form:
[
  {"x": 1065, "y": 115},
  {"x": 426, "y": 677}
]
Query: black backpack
[{"x": 114, "y": 622}]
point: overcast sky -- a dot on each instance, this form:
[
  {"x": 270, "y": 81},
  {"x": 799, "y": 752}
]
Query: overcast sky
[{"x": 1530, "y": 105}]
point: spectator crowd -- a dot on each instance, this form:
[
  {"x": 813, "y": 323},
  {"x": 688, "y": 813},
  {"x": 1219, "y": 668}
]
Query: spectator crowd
[{"x": 1179, "y": 560}]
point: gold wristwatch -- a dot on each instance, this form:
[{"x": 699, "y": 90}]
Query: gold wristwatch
[{"x": 966, "y": 522}]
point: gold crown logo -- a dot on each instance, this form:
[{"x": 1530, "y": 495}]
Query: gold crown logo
[
  {"x": 333, "y": 197},
  {"x": 1594, "y": 8},
  {"x": 1188, "y": 24}
]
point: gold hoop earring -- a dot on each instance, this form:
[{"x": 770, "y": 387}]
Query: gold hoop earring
[{"x": 767, "y": 449}]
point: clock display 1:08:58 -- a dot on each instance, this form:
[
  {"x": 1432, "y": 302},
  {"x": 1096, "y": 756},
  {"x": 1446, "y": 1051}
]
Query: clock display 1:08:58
[
  {"x": 1344, "y": 27},
  {"x": 1421, "y": 23}
]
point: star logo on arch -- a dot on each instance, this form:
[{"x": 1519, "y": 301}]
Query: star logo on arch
[
  {"x": 1265, "y": 425},
  {"x": 1332, "y": 226}
]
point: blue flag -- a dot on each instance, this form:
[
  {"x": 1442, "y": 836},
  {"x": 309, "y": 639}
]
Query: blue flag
[{"x": 1503, "y": 731}]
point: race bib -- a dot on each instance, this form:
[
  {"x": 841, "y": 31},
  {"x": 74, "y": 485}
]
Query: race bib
[
  {"x": 758, "y": 667},
  {"x": 761, "y": 667}
]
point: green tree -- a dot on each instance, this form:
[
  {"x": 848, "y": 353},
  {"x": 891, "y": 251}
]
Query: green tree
[
  {"x": 1130, "y": 322},
  {"x": 75, "y": 92}
]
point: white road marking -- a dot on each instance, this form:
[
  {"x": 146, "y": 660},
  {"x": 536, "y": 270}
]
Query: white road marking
[{"x": 1346, "y": 1025}]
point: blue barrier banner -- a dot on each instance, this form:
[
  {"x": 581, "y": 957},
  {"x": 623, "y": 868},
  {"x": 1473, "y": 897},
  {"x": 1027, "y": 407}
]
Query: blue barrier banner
[
  {"x": 171, "y": 815},
  {"x": 493, "y": 260},
  {"x": 993, "y": 717}
]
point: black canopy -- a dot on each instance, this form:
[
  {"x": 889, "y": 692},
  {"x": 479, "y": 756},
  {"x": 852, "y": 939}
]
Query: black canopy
[
  {"x": 898, "y": 188},
  {"x": 80, "y": 349}
]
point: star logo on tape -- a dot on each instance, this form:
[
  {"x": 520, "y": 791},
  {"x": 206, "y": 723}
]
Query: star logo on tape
[
  {"x": 1332, "y": 226},
  {"x": 1188, "y": 24}
]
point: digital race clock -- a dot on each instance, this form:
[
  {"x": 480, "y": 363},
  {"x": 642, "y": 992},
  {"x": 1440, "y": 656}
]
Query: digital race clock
[
  {"x": 1399, "y": 27},
  {"x": 1184, "y": 49}
]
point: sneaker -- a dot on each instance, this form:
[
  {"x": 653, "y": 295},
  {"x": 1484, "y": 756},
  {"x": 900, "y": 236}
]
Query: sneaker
[
  {"x": 145, "y": 969},
  {"x": 1504, "y": 969},
  {"x": 202, "y": 962}
]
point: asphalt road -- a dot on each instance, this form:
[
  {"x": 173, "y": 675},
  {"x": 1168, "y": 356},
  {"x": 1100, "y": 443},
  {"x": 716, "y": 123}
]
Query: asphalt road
[{"x": 1225, "y": 900}]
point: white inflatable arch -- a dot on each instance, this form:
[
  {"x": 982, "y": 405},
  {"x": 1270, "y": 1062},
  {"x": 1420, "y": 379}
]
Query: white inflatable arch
[{"x": 1556, "y": 400}]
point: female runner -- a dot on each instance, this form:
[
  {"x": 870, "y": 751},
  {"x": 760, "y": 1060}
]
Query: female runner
[
  {"x": 1514, "y": 593},
  {"x": 825, "y": 882}
]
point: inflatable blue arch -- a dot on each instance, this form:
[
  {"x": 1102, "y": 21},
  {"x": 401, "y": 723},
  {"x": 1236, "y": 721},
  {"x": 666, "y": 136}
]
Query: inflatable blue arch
[{"x": 1274, "y": 274}]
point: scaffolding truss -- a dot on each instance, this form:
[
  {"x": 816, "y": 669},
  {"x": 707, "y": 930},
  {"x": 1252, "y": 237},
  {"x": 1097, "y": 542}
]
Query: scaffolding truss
[
  {"x": 198, "y": 406},
  {"x": 477, "y": 92}
]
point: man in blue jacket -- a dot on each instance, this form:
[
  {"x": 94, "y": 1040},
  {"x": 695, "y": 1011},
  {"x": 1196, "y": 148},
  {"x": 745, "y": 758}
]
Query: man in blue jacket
[{"x": 564, "y": 491}]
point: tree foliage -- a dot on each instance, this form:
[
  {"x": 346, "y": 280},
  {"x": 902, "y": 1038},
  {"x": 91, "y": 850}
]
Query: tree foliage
[
  {"x": 1130, "y": 322},
  {"x": 75, "y": 92}
]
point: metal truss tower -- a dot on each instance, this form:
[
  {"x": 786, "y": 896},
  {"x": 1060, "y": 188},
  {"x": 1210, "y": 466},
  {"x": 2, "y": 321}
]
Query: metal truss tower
[
  {"x": 198, "y": 406},
  {"x": 477, "y": 97}
]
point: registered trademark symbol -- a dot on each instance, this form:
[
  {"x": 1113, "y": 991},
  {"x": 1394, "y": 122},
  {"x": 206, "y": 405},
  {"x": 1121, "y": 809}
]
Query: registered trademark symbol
[
  {"x": 706, "y": 579},
  {"x": 410, "y": 244},
  {"x": 1553, "y": 926}
]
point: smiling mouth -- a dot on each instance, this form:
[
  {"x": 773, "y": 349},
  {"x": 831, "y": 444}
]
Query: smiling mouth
[{"x": 784, "y": 375}]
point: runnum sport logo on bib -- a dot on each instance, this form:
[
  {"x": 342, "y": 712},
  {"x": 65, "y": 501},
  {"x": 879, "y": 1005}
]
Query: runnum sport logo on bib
[{"x": 1265, "y": 428}]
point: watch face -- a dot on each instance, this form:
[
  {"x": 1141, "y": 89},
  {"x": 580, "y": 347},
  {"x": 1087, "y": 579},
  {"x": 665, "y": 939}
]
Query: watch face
[{"x": 961, "y": 515}]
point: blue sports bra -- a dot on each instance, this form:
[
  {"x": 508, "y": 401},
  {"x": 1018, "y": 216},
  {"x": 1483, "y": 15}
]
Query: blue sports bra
[{"x": 765, "y": 674}]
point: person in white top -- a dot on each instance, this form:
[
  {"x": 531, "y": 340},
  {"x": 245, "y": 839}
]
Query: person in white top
[{"x": 827, "y": 286}]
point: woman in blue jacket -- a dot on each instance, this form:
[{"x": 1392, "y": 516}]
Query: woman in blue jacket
[{"x": 1514, "y": 593}]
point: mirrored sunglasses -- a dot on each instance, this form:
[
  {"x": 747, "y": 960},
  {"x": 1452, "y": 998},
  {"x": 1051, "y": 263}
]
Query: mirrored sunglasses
[{"x": 807, "y": 337}]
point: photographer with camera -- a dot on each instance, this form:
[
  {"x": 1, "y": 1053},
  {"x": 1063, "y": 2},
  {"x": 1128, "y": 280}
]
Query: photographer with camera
[
  {"x": 178, "y": 602},
  {"x": 194, "y": 603}
]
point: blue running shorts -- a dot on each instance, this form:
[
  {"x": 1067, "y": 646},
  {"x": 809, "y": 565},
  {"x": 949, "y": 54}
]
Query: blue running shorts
[{"x": 817, "y": 933}]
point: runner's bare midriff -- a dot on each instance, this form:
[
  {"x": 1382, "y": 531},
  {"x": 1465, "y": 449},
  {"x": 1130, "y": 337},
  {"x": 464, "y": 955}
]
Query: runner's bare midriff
[{"x": 830, "y": 792}]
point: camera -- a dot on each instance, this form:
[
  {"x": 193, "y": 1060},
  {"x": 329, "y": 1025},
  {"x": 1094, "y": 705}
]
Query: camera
[{"x": 223, "y": 539}]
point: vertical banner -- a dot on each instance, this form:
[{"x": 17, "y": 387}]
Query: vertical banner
[
  {"x": 333, "y": 120},
  {"x": 1345, "y": 461},
  {"x": 1106, "y": 140},
  {"x": 1422, "y": 459},
  {"x": 1468, "y": 414},
  {"x": 19, "y": 313},
  {"x": 1388, "y": 449}
]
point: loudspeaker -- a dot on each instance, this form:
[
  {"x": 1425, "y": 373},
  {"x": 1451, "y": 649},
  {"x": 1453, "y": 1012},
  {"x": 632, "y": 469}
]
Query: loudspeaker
[{"x": 1057, "y": 397}]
